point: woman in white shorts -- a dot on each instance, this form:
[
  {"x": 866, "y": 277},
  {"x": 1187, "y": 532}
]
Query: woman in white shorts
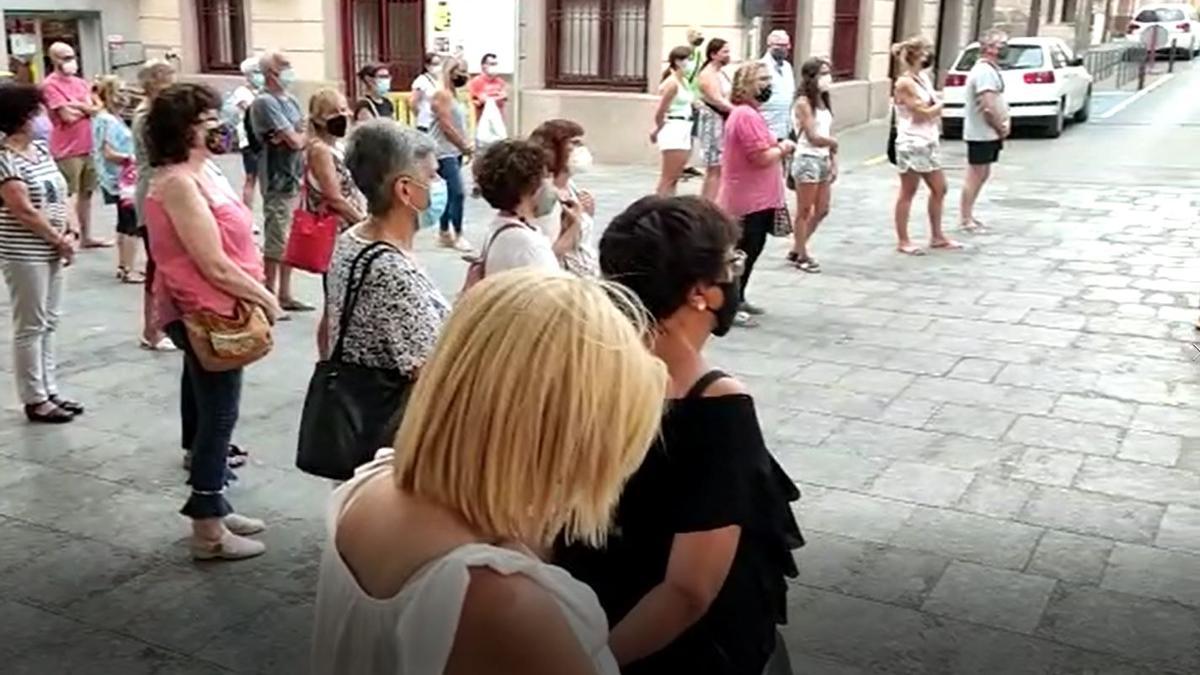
[
  {"x": 673, "y": 121},
  {"x": 918, "y": 115},
  {"x": 814, "y": 166},
  {"x": 715, "y": 88}
]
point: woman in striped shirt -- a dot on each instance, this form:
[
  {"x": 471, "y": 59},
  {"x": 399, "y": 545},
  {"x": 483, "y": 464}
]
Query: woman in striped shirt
[{"x": 38, "y": 239}]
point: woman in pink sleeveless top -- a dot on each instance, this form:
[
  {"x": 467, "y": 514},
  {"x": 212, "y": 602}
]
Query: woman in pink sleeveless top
[{"x": 202, "y": 242}]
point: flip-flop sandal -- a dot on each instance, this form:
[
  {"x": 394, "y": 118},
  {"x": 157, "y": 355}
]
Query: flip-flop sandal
[
  {"x": 73, "y": 407},
  {"x": 130, "y": 276},
  {"x": 911, "y": 250},
  {"x": 237, "y": 457},
  {"x": 808, "y": 265},
  {"x": 948, "y": 246},
  {"x": 793, "y": 257}
]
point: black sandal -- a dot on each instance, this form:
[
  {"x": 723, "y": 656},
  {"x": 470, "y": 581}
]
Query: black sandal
[
  {"x": 73, "y": 407},
  {"x": 793, "y": 257},
  {"x": 56, "y": 415},
  {"x": 237, "y": 457}
]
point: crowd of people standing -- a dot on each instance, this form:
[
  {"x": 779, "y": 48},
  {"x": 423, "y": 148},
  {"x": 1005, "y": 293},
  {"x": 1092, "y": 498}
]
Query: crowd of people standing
[{"x": 566, "y": 465}]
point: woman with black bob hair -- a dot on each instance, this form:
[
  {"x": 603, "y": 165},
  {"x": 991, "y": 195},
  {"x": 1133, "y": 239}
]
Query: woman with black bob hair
[
  {"x": 203, "y": 246},
  {"x": 693, "y": 578}
]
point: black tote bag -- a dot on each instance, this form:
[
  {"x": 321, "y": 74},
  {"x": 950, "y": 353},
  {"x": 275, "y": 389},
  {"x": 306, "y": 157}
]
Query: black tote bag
[{"x": 350, "y": 410}]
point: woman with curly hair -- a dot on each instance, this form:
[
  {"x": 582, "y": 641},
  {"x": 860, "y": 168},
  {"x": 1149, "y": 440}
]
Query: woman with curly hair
[
  {"x": 510, "y": 176},
  {"x": 567, "y": 157}
]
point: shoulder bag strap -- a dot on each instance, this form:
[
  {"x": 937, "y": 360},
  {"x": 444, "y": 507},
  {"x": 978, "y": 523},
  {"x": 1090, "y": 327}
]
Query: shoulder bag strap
[
  {"x": 706, "y": 380},
  {"x": 491, "y": 240},
  {"x": 354, "y": 284}
]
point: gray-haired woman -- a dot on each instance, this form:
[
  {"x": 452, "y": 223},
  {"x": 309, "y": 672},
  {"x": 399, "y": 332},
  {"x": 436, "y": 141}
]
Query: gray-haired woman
[{"x": 399, "y": 311}]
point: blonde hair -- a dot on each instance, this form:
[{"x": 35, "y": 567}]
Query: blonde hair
[
  {"x": 906, "y": 52},
  {"x": 745, "y": 82},
  {"x": 154, "y": 76},
  {"x": 106, "y": 88},
  {"x": 322, "y": 104},
  {"x": 448, "y": 66},
  {"x": 539, "y": 401}
]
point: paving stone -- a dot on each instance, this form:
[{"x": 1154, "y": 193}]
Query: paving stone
[
  {"x": 1180, "y": 529},
  {"x": 880, "y": 440},
  {"x": 1094, "y": 514},
  {"x": 875, "y": 381},
  {"x": 1012, "y": 399},
  {"x": 971, "y": 421},
  {"x": 1169, "y": 420},
  {"x": 976, "y": 370},
  {"x": 1143, "y": 446},
  {"x": 995, "y": 497},
  {"x": 990, "y": 596},
  {"x": 1071, "y": 557},
  {"x": 1046, "y": 466},
  {"x": 1139, "y": 481},
  {"x": 808, "y": 428},
  {"x": 1154, "y": 573},
  {"x": 821, "y": 373},
  {"x": 853, "y": 515},
  {"x": 1051, "y": 319},
  {"x": 922, "y": 483},
  {"x": 1093, "y": 439},
  {"x": 1093, "y": 409},
  {"x": 968, "y": 537},
  {"x": 833, "y": 468}
]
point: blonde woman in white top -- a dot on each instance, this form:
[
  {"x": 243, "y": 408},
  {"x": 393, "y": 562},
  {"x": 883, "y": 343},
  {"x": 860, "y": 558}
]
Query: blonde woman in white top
[
  {"x": 918, "y": 114},
  {"x": 673, "y": 121},
  {"x": 814, "y": 166},
  {"x": 432, "y": 564}
]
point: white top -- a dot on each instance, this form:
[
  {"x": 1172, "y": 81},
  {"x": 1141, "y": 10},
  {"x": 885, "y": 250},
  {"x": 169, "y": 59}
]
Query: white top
[
  {"x": 681, "y": 105},
  {"x": 584, "y": 260},
  {"x": 428, "y": 86},
  {"x": 521, "y": 246},
  {"x": 823, "y": 123},
  {"x": 777, "y": 111},
  {"x": 412, "y": 632},
  {"x": 240, "y": 99},
  {"x": 910, "y": 130}
]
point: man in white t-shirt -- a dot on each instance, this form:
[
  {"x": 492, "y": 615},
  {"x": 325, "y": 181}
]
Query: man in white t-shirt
[{"x": 986, "y": 121}]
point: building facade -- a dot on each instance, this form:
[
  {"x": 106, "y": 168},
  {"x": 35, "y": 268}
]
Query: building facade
[{"x": 595, "y": 61}]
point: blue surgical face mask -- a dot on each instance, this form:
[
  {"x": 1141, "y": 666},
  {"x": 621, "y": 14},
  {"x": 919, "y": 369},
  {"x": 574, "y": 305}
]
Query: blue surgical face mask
[
  {"x": 287, "y": 77},
  {"x": 257, "y": 80},
  {"x": 439, "y": 196},
  {"x": 383, "y": 86}
]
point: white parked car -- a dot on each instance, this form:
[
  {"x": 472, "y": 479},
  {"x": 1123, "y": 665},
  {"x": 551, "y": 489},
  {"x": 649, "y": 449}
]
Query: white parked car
[
  {"x": 1179, "y": 20},
  {"x": 1045, "y": 85}
]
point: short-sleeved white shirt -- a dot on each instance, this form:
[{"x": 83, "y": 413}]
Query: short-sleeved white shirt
[
  {"x": 428, "y": 86},
  {"x": 518, "y": 246},
  {"x": 984, "y": 77}
]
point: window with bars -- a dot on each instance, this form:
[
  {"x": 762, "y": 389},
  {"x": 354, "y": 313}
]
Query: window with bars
[
  {"x": 222, "y": 32},
  {"x": 844, "y": 57},
  {"x": 390, "y": 32},
  {"x": 597, "y": 44}
]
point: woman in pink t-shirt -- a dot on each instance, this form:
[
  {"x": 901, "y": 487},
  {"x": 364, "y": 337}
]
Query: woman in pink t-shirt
[{"x": 751, "y": 181}]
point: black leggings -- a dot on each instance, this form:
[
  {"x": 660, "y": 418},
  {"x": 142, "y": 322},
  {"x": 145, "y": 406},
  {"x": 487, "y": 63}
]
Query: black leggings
[{"x": 755, "y": 228}]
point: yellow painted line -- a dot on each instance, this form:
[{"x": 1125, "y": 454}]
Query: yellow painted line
[{"x": 875, "y": 161}]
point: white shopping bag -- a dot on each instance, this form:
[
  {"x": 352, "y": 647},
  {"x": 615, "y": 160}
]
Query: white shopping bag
[{"x": 490, "y": 127}]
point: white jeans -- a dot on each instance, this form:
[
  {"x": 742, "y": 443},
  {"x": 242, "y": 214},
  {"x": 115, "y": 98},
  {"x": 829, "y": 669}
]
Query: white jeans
[{"x": 35, "y": 291}]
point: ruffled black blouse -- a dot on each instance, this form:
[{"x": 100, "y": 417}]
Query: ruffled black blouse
[{"x": 709, "y": 469}]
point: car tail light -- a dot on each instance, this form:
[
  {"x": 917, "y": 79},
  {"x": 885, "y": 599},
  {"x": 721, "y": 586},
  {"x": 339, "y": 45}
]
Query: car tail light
[
  {"x": 1185, "y": 27},
  {"x": 956, "y": 80},
  {"x": 1133, "y": 27},
  {"x": 1041, "y": 77}
]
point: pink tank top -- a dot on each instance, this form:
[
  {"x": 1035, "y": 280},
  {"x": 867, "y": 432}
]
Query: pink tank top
[{"x": 179, "y": 286}]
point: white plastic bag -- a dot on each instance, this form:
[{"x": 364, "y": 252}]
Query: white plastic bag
[{"x": 490, "y": 127}]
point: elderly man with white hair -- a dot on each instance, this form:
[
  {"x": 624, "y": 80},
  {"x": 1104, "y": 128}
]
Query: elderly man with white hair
[
  {"x": 69, "y": 100},
  {"x": 278, "y": 125},
  {"x": 986, "y": 122},
  {"x": 239, "y": 104},
  {"x": 778, "y": 108}
]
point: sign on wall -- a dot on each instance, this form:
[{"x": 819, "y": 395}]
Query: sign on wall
[{"x": 471, "y": 28}]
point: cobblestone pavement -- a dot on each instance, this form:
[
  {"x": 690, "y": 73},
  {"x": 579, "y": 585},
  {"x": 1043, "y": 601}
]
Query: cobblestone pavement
[{"x": 998, "y": 451}]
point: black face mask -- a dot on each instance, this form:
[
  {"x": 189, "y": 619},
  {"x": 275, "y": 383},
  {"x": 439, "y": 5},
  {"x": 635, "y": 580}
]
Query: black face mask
[
  {"x": 458, "y": 80},
  {"x": 697, "y": 42},
  {"x": 926, "y": 62},
  {"x": 731, "y": 291},
  {"x": 336, "y": 126},
  {"x": 219, "y": 139},
  {"x": 764, "y": 94}
]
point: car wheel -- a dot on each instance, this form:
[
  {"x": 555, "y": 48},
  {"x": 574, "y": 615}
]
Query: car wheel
[
  {"x": 1054, "y": 128},
  {"x": 1085, "y": 111}
]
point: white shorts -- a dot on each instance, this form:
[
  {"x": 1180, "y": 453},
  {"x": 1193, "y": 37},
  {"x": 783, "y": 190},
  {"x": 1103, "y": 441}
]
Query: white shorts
[{"x": 675, "y": 135}]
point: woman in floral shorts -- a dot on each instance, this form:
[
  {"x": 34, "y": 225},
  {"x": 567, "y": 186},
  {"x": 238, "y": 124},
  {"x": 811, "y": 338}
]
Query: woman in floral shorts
[{"x": 918, "y": 116}]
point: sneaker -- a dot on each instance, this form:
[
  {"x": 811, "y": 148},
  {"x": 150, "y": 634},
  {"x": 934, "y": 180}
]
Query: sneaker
[
  {"x": 229, "y": 547},
  {"x": 445, "y": 240},
  {"x": 461, "y": 244},
  {"x": 752, "y": 310},
  {"x": 244, "y": 526},
  {"x": 743, "y": 320}
]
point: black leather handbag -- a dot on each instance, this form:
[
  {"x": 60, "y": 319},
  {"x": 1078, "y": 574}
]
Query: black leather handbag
[
  {"x": 350, "y": 410},
  {"x": 891, "y": 142}
]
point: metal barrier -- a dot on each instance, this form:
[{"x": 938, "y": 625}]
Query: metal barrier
[{"x": 1121, "y": 62}]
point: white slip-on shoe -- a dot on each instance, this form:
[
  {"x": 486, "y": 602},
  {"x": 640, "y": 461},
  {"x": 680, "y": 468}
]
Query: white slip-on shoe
[
  {"x": 244, "y": 526},
  {"x": 229, "y": 547}
]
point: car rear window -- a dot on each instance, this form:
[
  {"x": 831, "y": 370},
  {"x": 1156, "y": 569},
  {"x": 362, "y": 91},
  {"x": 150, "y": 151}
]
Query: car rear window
[
  {"x": 1156, "y": 15},
  {"x": 1018, "y": 57}
]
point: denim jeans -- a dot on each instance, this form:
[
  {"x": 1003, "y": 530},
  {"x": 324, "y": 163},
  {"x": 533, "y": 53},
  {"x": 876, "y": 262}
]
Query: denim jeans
[
  {"x": 35, "y": 291},
  {"x": 450, "y": 169},
  {"x": 208, "y": 408}
]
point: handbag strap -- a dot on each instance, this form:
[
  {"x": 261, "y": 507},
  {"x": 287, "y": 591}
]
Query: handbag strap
[{"x": 365, "y": 258}]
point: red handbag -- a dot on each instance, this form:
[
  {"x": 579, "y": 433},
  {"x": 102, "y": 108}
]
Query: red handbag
[{"x": 310, "y": 244}]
